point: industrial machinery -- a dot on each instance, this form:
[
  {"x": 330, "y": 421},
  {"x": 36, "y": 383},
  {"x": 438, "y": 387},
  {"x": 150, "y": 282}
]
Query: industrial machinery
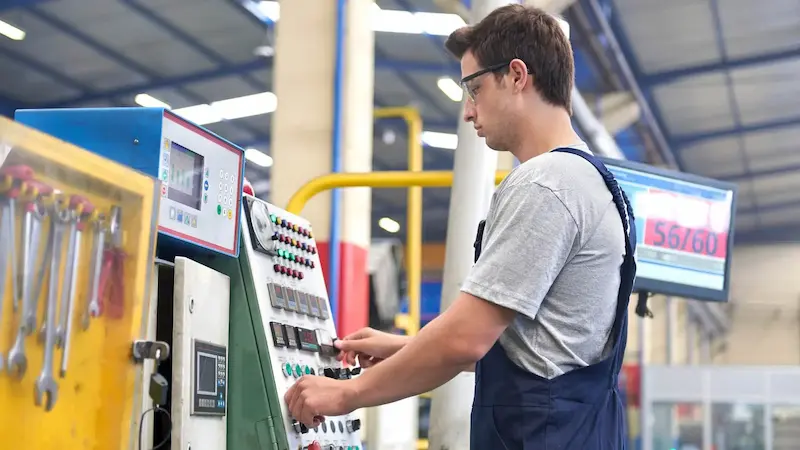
[
  {"x": 228, "y": 335},
  {"x": 76, "y": 246},
  {"x": 281, "y": 329}
]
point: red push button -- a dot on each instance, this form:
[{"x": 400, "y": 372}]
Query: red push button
[
  {"x": 299, "y": 275},
  {"x": 277, "y": 267}
]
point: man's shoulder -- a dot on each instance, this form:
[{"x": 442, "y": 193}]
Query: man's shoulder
[{"x": 556, "y": 171}]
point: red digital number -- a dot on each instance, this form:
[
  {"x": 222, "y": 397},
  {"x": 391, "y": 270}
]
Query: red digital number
[{"x": 671, "y": 235}]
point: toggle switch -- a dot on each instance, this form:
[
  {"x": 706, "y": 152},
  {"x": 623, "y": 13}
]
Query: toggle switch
[{"x": 353, "y": 425}]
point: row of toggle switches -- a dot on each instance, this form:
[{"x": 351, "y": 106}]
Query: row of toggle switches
[
  {"x": 283, "y": 223},
  {"x": 289, "y": 256},
  {"x": 316, "y": 446},
  {"x": 283, "y": 239}
]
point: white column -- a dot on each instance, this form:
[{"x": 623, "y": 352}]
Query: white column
[{"x": 473, "y": 185}]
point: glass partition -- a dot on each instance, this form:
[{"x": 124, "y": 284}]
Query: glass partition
[
  {"x": 677, "y": 426},
  {"x": 737, "y": 426}
]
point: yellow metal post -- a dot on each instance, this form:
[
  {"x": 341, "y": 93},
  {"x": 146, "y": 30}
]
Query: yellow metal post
[{"x": 411, "y": 323}]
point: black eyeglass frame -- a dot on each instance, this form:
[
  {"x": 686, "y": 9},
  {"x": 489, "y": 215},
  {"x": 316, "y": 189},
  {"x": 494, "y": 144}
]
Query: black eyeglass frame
[{"x": 491, "y": 69}]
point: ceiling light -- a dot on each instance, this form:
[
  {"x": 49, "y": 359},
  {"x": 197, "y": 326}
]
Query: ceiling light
[
  {"x": 450, "y": 88},
  {"x": 385, "y": 20},
  {"x": 440, "y": 140},
  {"x": 148, "y": 101},
  {"x": 247, "y": 106},
  {"x": 258, "y": 157},
  {"x": 230, "y": 109},
  {"x": 389, "y": 225},
  {"x": 199, "y": 114},
  {"x": 11, "y": 32}
]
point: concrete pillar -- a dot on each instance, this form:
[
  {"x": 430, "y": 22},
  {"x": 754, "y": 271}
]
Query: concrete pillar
[
  {"x": 304, "y": 130},
  {"x": 473, "y": 185}
]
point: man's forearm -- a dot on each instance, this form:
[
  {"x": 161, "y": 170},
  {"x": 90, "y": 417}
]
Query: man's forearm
[{"x": 423, "y": 364}]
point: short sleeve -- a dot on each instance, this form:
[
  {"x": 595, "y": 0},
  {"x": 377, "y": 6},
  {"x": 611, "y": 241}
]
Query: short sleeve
[{"x": 529, "y": 236}]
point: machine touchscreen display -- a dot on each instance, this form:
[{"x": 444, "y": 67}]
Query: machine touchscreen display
[{"x": 185, "y": 176}]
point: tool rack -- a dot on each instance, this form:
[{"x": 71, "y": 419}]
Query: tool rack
[{"x": 92, "y": 223}]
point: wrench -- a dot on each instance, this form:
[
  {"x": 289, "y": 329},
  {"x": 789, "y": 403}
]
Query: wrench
[
  {"x": 46, "y": 384},
  {"x": 17, "y": 361},
  {"x": 15, "y": 176},
  {"x": 98, "y": 247},
  {"x": 79, "y": 206},
  {"x": 5, "y": 241}
]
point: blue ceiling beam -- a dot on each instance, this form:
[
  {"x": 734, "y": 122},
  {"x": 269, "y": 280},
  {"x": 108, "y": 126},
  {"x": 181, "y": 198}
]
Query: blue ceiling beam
[
  {"x": 732, "y": 100},
  {"x": 6, "y": 5},
  {"x": 617, "y": 41},
  {"x": 771, "y": 235},
  {"x": 690, "y": 139},
  {"x": 672, "y": 75},
  {"x": 113, "y": 55},
  {"x": 169, "y": 82},
  {"x": 190, "y": 41},
  {"x": 777, "y": 206},
  {"x": 43, "y": 69},
  {"x": 780, "y": 170}
]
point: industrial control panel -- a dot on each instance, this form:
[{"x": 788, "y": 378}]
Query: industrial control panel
[
  {"x": 201, "y": 173},
  {"x": 295, "y": 311},
  {"x": 201, "y": 186}
]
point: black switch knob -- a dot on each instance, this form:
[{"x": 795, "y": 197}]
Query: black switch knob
[
  {"x": 330, "y": 373},
  {"x": 355, "y": 371},
  {"x": 354, "y": 425}
]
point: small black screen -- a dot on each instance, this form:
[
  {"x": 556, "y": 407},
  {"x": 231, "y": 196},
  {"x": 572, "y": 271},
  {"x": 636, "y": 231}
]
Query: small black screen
[{"x": 206, "y": 374}]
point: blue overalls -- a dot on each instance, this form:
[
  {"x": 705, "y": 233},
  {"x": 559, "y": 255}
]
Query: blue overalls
[{"x": 580, "y": 410}]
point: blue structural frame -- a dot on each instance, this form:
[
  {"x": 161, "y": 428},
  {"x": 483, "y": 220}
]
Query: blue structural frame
[{"x": 439, "y": 117}]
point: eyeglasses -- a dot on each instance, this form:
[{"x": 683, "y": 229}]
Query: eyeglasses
[{"x": 470, "y": 88}]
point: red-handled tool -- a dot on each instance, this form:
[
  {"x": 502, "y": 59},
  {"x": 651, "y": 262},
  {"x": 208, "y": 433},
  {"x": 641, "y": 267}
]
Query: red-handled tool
[{"x": 112, "y": 275}]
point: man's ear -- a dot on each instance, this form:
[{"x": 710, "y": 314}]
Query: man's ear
[{"x": 519, "y": 74}]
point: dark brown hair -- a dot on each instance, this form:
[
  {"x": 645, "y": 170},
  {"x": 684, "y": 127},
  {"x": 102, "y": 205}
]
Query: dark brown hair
[{"x": 526, "y": 33}]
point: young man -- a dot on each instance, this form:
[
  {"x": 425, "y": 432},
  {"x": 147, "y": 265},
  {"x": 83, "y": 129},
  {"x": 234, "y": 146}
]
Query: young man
[{"x": 542, "y": 316}]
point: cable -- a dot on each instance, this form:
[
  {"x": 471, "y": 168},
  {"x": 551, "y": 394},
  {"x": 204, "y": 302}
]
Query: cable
[{"x": 155, "y": 409}]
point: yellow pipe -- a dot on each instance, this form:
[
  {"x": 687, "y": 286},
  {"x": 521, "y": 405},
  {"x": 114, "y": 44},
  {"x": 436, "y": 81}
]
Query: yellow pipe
[
  {"x": 384, "y": 179},
  {"x": 413, "y": 214}
]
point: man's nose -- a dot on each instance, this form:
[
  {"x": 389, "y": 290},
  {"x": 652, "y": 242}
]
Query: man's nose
[{"x": 469, "y": 111}]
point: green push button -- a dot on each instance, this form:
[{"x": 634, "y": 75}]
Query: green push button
[
  {"x": 292, "y": 256},
  {"x": 280, "y": 253},
  {"x": 219, "y": 210},
  {"x": 298, "y": 371},
  {"x": 287, "y": 369},
  {"x": 308, "y": 370}
]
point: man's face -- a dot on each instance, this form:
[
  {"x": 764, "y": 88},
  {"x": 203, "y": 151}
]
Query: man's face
[{"x": 486, "y": 104}]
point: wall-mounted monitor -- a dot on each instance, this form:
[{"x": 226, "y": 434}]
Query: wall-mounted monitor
[{"x": 684, "y": 227}]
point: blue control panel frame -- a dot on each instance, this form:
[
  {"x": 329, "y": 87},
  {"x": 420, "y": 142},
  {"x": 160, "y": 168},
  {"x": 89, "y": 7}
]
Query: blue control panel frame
[{"x": 132, "y": 137}]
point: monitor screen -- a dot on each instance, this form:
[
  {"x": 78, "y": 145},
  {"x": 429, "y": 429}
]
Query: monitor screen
[
  {"x": 185, "y": 176},
  {"x": 206, "y": 374},
  {"x": 684, "y": 226}
]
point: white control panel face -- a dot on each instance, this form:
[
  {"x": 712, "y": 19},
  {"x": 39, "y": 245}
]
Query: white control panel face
[
  {"x": 201, "y": 188},
  {"x": 294, "y": 307}
]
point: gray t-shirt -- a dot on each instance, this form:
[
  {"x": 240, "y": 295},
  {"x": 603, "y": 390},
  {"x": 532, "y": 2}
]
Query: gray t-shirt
[{"x": 552, "y": 250}]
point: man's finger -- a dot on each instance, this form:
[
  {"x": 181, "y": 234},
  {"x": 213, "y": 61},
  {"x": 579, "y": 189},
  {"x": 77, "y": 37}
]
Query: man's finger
[{"x": 360, "y": 334}]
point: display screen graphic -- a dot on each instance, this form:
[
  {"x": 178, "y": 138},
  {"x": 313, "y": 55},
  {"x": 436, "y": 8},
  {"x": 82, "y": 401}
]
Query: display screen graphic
[
  {"x": 206, "y": 374},
  {"x": 684, "y": 230},
  {"x": 185, "y": 176}
]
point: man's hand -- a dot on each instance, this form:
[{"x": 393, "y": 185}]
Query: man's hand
[
  {"x": 369, "y": 346},
  {"x": 314, "y": 397}
]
